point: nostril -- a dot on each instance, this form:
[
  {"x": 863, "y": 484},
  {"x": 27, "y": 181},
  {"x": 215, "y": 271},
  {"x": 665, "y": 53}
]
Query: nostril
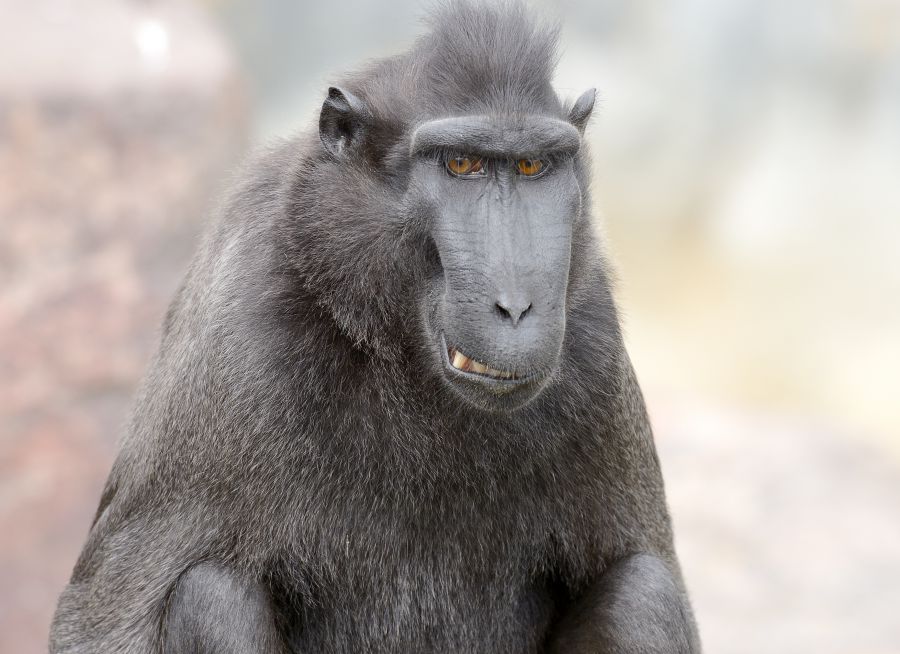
[{"x": 510, "y": 311}]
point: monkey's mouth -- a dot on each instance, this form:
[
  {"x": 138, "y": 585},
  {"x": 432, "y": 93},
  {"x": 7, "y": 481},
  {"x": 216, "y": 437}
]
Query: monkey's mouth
[
  {"x": 465, "y": 363},
  {"x": 487, "y": 387},
  {"x": 468, "y": 369}
]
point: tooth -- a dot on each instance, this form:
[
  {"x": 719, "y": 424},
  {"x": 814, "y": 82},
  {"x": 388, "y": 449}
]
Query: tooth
[
  {"x": 479, "y": 367},
  {"x": 459, "y": 360}
]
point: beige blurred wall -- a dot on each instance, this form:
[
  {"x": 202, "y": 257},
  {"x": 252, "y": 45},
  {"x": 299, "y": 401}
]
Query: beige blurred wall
[{"x": 749, "y": 179}]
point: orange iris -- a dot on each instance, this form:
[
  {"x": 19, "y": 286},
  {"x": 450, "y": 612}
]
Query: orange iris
[
  {"x": 465, "y": 165},
  {"x": 530, "y": 167}
]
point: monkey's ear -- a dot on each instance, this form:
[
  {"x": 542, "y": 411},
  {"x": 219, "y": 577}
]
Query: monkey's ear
[
  {"x": 581, "y": 110},
  {"x": 343, "y": 122}
]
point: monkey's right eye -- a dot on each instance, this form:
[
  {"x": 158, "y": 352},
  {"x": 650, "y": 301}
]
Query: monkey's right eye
[{"x": 466, "y": 166}]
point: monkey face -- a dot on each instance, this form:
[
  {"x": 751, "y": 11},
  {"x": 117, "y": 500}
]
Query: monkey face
[{"x": 500, "y": 199}]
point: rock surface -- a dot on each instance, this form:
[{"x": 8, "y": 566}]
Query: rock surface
[{"x": 117, "y": 121}]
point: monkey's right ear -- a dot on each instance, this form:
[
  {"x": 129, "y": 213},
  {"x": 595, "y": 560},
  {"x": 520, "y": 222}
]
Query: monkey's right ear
[{"x": 343, "y": 122}]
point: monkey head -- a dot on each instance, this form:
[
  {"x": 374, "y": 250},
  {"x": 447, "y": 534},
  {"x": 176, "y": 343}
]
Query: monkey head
[{"x": 497, "y": 196}]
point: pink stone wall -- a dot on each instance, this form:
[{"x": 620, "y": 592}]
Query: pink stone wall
[{"x": 104, "y": 184}]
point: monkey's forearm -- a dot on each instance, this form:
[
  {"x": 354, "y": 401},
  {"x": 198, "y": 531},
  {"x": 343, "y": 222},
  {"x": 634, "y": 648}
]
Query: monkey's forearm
[{"x": 636, "y": 607}]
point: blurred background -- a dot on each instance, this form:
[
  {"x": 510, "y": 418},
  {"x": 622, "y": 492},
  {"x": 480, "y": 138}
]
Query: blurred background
[{"x": 747, "y": 183}]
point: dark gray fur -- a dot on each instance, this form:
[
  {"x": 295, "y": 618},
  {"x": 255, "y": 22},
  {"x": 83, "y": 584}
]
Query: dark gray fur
[{"x": 301, "y": 476}]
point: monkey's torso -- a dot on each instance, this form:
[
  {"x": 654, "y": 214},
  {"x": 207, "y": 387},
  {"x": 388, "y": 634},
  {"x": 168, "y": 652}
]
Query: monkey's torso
[
  {"x": 459, "y": 570},
  {"x": 375, "y": 524},
  {"x": 303, "y": 454}
]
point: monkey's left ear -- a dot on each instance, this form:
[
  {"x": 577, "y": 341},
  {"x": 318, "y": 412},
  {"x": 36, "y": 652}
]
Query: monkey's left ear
[
  {"x": 581, "y": 110},
  {"x": 344, "y": 121}
]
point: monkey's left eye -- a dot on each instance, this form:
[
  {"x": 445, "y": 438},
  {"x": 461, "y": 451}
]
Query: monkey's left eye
[
  {"x": 530, "y": 167},
  {"x": 466, "y": 166}
]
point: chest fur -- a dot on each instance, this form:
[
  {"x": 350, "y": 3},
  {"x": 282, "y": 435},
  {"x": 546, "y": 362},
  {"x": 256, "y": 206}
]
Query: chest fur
[{"x": 457, "y": 584}]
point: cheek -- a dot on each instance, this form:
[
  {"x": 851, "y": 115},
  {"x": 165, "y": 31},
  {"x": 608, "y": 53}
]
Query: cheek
[
  {"x": 575, "y": 201},
  {"x": 569, "y": 198},
  {"x": 432, "y": 305},
  {"x": 432, "y": 266}
]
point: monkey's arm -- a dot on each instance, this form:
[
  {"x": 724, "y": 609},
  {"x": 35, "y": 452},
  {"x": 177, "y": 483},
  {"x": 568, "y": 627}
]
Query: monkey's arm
[
  {"x": 212, "y": 611},
  {"x": 635, "y": 607},
  {"x": 637, "y": 603}
]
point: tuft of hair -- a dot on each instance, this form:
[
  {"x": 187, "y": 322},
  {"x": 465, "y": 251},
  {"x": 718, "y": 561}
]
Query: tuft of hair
[{"x": 493, "y": 56}]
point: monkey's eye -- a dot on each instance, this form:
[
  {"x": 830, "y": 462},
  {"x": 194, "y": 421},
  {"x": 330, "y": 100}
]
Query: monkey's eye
[
  {"x": 465, "y": 166},
  {"x": 530, "y": 167}
]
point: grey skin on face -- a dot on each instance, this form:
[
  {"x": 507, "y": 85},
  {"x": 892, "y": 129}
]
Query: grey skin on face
[
  {"x": 391, "y": 410},
  {"x": 504, "y": 239}
]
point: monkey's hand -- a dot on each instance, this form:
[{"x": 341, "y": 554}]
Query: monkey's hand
[
  {"x": 213, "y": 611},
  {"x": 635, "y": 607}
]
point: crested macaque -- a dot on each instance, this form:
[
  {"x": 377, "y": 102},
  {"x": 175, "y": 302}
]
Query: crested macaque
[{"x": 391, "y": 410}]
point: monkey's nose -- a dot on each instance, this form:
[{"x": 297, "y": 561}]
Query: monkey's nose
[{"x": 512, "y": 309}]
